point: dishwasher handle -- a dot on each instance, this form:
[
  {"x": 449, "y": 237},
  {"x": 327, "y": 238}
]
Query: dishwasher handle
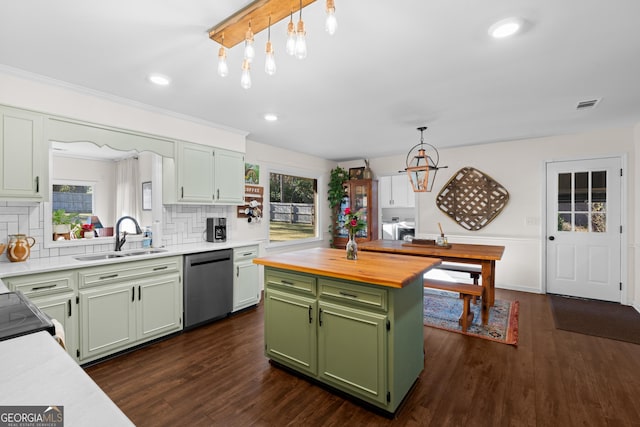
[{"x": 209, "y": 258}]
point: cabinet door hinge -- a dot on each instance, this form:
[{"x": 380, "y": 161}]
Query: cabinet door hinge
[
  {"x": 77, "y": 300},
  {"x": 388, "y": 396},
  {"x": 621, "y": 172},
  {"x": 78, "y": 353},
  {"x": 620, "y": 285},
  {"x": 388, "y": 325}
]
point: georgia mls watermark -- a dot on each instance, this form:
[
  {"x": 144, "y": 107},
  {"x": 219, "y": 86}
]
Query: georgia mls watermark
[{"x": 31, "y": 416}]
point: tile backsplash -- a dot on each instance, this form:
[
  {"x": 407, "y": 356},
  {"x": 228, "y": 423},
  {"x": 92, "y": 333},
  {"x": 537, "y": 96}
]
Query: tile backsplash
[{"x": 181, "y": 224}]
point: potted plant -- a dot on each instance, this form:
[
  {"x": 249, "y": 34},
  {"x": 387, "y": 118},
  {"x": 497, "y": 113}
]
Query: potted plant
[
  {"x": 335, "y": 194},
  {"x": 62, "y": 221}
]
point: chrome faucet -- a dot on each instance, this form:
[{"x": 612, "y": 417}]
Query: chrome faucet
[{"x": 120, "y": 242}]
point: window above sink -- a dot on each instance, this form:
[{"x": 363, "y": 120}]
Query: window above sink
[{"x": 97, "y": 177}]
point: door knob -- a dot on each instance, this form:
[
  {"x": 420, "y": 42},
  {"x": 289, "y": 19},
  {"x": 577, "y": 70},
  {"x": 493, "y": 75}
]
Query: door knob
[{"x": 552, "y": 238}]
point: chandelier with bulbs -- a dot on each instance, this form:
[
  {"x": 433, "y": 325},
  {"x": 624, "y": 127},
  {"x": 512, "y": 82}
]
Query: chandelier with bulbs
[{"x": 257, "y": 16}]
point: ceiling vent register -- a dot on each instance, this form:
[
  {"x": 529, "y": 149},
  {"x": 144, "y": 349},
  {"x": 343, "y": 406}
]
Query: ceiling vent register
[{"x": 587, "y": 104}]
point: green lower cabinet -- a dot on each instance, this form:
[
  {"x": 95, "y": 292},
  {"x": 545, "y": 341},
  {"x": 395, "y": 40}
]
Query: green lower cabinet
[
  {"x": 365, "y": 340},
  {"x": 290, "y": 330},
  {"x": 353, "y": 351},
  {"x": 159, "y": 306},
  {"x": 107, "y": 320},
  {"x": 63, "y": 308},
  {"x": 116, "y": 316}
]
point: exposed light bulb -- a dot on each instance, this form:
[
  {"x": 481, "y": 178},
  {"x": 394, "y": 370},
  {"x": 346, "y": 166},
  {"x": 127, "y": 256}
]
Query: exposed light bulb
[
  {"x": 331, "y": 24},
  {"x": 245, "y": 79},
  {"x": 223, "y": 68},
  {"x": 301, "y": 43},
  {"x": 270, "y": 62},
  {"x": 291, "y": 37},
  {"x": 249, "y": 50}
]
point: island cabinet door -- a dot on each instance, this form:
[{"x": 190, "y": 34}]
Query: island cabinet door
[
  {"x": 352, "y": 347},
  {"x": 290, "y": 330}
]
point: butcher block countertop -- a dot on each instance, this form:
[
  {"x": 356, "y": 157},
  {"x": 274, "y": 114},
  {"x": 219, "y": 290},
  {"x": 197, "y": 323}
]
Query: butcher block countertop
[
  {"x": 395, "y": 271},
  {"x": 455, "y": 250}
]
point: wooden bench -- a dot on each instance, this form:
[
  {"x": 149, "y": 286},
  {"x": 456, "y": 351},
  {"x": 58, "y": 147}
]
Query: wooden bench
[
  {"x": 466, "y": 291},
  {"x": 474, "y": 272}
]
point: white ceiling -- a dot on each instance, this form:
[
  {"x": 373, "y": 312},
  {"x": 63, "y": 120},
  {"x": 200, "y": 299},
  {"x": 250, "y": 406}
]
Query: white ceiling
[{"x": 391, "y": 66}]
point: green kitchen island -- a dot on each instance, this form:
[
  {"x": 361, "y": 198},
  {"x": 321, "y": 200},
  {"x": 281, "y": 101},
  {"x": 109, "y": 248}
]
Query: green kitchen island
[{"x": 353, "y": 325}]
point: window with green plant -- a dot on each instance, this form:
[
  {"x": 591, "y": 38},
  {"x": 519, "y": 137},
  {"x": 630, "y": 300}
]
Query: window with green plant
[
  {"x": 72, "y": 203},
  {"x": 293, "y": 208}
]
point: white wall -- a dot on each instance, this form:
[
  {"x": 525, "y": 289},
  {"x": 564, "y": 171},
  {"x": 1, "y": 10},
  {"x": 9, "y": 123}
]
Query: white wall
[
  {"x": 58, "y": 98},
  {"x": 145, "y": 174},
  {"x": 634, "y": 243},
  {"x": 273, "y": 159},
  {"x": 519, "y": 167}
]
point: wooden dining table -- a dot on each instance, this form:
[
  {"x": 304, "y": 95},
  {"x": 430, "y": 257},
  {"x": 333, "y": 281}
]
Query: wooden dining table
[{"x": 465, "y": 253}]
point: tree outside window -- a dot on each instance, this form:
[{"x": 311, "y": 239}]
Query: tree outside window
[{"x": 293, "y": 210}]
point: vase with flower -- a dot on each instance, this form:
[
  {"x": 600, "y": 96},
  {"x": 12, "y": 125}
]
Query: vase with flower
[{"x": 353, "y": 223}]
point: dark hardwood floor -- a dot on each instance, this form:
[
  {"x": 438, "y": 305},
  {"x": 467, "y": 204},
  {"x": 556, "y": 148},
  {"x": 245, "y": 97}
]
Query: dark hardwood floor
[{"x": 217, "y": 375}]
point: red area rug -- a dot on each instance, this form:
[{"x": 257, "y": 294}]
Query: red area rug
[{"x": 442, "y": 310}]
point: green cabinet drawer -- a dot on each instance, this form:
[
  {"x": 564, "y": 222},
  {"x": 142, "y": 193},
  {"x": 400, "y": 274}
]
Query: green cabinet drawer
[
  {"x": 373, "y": 297},
  {"x": 305, "y": 285},
  {"x": 124, "y": 271},
  {"x": 35, "y": 285}
]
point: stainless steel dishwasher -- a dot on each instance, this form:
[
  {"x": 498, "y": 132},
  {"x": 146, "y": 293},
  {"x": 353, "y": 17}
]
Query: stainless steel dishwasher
[{"x": 208, "y": 286}]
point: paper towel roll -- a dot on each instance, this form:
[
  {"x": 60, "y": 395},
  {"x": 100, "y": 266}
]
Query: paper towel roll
[{"x": 156, "y": 236}]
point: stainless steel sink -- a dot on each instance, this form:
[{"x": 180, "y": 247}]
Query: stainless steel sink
[
  {"x": 110, "y": 255},
  {"x": 96, "y": 257},
  {"x": 144, "y": 252}
]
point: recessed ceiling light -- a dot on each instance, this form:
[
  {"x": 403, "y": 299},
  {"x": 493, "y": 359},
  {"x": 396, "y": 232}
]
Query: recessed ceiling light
[
  {"x": 505, "y": 28},
  {"x": 270, "y": 117},
  {"x": 159, "y": 79}
]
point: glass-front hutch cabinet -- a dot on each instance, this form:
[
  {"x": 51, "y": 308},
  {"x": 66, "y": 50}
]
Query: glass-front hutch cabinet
[{"x": 361, "y": 195}]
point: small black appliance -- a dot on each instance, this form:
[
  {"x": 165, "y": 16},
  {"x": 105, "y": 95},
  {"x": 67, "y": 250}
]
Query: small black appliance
[{"x": 216, "y": 229}]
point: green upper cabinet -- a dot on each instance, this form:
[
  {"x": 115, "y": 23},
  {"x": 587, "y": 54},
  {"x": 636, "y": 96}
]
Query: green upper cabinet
[
  {"x": 201, "y": 174},
  {"x": 195, "y": 173},
  {"x": 229, "y": 177},
  {"x": 24, "y": 159}
]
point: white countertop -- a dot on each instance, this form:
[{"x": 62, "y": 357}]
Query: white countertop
[
  {"x": 43, "y": 265},
  {"x": 35, "y": 370}
]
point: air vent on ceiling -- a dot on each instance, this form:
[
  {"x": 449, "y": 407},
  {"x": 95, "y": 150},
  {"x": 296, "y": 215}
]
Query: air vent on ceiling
[{"x": 587, "y": 104}]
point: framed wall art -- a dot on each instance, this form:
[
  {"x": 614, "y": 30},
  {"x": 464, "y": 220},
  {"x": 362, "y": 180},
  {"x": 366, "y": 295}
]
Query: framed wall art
[
  {"x": 356, "y": 173},
  {"x": 146, "y": 196}
]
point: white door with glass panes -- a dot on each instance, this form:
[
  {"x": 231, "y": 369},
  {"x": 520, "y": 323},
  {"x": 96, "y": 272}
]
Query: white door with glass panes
[{"x": 583, "y": 246}]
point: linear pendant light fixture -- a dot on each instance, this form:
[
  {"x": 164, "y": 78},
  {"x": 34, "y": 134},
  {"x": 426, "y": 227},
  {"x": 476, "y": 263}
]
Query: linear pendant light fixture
[
  {"x": 270, "y": 61},
  {"x": 258, "y": 16}
]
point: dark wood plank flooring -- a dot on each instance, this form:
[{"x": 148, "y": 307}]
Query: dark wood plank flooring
[{"x": 217, "y": 375}]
